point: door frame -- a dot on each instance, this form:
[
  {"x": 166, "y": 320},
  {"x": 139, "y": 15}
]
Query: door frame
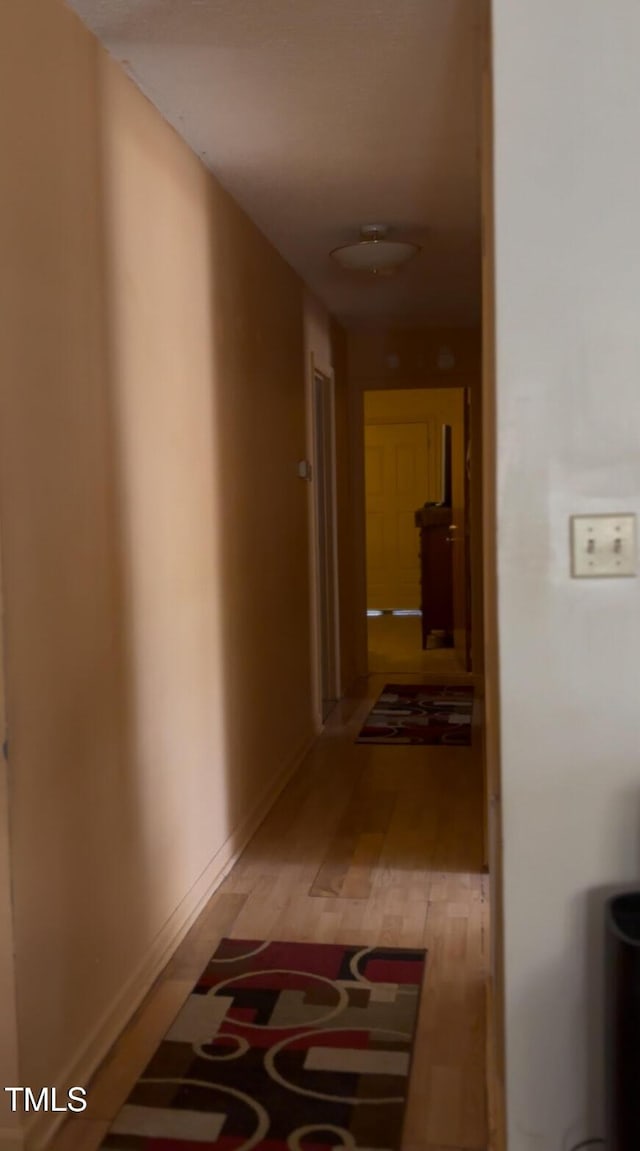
[
  {"x": 482, "y": 520},
  {"x": 358, "y": 424},
  {"x": 323, "y": 546},
  {"x": 11, "y": 1124},
  {"x": 367, "y": 371},
  {"x": 495, "y": 1002}
]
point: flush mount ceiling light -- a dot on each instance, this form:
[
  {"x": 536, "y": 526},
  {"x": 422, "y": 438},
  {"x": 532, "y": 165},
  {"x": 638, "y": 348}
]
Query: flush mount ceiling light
[{"x": 374, "y": 253}]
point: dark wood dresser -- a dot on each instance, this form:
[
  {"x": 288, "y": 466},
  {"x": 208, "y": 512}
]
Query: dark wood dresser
[{"x": 436, "y": 570}]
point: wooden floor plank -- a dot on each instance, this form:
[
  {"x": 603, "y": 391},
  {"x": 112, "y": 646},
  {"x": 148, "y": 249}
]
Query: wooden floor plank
[{"x": 368, "y": 845}]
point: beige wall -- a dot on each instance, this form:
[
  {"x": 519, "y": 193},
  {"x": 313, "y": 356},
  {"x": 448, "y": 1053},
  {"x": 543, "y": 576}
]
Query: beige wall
[
  {"x": 152, "y": 411},
  {"x": 9, "y": 1074},
  {"x": 317, "y": 334},
  {"x": 73, "y": 793},
  {"x": 415, "y": 357},
  {"x": 567, "y": 171}
]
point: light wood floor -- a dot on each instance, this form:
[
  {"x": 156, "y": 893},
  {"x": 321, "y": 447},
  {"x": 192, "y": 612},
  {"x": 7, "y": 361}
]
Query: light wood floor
[
  {"x": 395, "y": 645},
  {"x": 367, "y": 845}
]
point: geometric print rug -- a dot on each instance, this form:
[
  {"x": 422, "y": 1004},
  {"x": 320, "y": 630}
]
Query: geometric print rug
[
  {"x": 282, "y": 1047},
  {"x": 418, "y": 713}
]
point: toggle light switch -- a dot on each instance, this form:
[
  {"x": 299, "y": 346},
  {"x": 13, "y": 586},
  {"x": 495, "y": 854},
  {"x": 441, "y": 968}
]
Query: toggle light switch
[{"x": 603, "y": 545}]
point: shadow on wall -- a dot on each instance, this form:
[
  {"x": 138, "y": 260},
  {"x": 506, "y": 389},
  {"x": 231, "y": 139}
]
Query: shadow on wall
[
  {"x": 154, "y": 530},
  {"x": 79, "y": 859},
  {"x": 208, "y": 384},
  {"x": 261, "y": 510}
]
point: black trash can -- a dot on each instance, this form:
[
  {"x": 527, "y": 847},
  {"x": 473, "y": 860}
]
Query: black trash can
[{"x": 622, "y": 1007}]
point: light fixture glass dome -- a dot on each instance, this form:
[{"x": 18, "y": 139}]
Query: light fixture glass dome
[{"x": 373, "y": 253}]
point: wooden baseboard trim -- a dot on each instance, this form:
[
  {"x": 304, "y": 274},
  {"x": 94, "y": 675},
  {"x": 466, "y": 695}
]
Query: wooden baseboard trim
[{"x": 41, "y": 1126}]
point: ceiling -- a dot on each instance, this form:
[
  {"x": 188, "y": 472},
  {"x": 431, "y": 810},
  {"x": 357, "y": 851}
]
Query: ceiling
[{"x": 321, "y": 115}]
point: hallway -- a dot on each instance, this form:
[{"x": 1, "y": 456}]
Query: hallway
[
  {"x": 367, "y": 845},
  {"x": 395, "y": 647}
]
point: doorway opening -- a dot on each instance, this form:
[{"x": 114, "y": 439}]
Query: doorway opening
[
  {"x": 417, "y": 453},
  {"x": 325, "y": 548}
]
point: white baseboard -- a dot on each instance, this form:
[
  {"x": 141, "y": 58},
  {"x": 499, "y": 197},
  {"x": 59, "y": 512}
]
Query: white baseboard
[{"x": 40, "y": 1126}]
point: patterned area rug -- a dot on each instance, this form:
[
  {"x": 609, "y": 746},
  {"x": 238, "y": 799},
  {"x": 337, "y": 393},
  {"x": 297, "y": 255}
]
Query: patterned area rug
[
  {"x": 282, "y": 1047},
  {"x": 420, "y": 713}
]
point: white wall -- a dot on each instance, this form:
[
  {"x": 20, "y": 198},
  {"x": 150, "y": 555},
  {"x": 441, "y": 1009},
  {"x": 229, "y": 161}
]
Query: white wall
[{"x": 567, "y": 186}]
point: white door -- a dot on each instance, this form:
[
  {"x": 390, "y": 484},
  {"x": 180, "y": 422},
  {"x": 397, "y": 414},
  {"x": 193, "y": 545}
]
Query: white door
[{"x": 402, "y": 464}]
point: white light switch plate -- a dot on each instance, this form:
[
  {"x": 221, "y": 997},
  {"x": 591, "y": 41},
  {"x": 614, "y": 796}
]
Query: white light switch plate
[{"x": 603, "y": 546}]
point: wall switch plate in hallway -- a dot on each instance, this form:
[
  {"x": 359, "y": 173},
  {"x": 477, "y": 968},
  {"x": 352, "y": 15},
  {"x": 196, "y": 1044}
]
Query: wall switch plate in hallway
[
  {"x": 304, "y": 469},
  {"x": 603, "y": 545}
]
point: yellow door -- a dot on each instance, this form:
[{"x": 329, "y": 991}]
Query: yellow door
[{"x": 401, "y": 474}]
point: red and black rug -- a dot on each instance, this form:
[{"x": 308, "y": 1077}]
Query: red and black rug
[
  {"x": 420, "y": 714},
  {"x": 282, "y": 1047}
]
